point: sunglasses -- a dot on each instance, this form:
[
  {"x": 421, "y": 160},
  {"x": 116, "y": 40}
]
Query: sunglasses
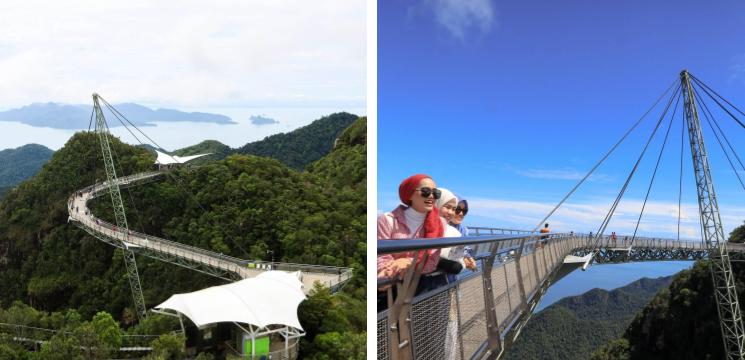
[
  {"x": 427, "y": 191},
  {"x": 460, "y": 210}
]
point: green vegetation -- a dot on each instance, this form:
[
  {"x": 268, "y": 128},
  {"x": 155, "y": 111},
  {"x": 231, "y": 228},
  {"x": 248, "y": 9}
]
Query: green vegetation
[
  {"x": 20, "y": 164},
  {"x": 575, "y": 326},
  {"x": 681, "y": 322},
  {"x": 68, "y": 336},
  {"x": 216, "y": 149},
  {"x": 242, "y": 206},
  {"x": 302, "y": 146}
]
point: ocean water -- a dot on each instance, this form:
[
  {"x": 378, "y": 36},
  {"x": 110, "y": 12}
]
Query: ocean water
[{"x": 176, "y": 135}]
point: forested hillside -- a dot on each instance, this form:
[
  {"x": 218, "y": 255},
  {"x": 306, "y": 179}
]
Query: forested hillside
[
  {"x": 680, "y": 322},
  {"x": 20, "y": 164},
  {"x": 216, "y": 149},
  {"x": 574, "y": 327},
  {"x": 302, "y": 146},
  {"x": 243, "y": 205}
]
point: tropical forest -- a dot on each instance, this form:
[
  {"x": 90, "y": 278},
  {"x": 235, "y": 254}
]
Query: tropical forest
[{"x": 298, "y": 197}]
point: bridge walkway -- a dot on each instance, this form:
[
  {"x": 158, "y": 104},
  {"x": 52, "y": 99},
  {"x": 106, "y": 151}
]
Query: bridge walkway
[
  {"x": 208, "y": 262},
  {"x": 483, "y": 312}
]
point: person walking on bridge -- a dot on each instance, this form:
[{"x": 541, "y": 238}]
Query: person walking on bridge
[{"x": 544, "y": 234}]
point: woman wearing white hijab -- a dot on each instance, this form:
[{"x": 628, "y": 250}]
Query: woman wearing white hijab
[{"x": 446, "y": 205}]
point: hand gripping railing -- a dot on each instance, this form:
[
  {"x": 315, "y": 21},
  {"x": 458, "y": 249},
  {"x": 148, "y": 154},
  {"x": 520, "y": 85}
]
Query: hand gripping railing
[
  {"x": 401, "y": 322},
  {"x": 205, "y": 261}
]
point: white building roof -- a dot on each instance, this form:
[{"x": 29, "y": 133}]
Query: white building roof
[
  {"x": 271, "y": 298},
  {"x": 165, "y": 159}
]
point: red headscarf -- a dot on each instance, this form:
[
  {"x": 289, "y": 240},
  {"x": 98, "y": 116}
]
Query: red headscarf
[{"x": 432, "y": 224}]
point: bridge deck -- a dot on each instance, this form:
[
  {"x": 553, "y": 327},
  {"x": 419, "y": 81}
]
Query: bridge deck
[
  {"x": 451, "y": 322},
  {"x": 209, "y": 262}
]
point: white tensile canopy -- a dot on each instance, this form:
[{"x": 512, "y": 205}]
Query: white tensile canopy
[
  {"x": 271, "y": 298},
  {"x": 165, "y": 159}
]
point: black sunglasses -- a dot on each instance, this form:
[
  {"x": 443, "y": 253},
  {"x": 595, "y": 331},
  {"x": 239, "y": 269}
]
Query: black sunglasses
[
  {"x": 459, "y": 210},
  {"x": 427, "y": 191}
]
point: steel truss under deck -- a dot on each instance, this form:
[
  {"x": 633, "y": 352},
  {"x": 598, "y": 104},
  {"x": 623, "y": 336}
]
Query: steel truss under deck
[{"x": 728, "y": 307}]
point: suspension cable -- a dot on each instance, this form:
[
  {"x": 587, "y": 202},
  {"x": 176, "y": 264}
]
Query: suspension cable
[
  {"x": 129, "y": 191},
  {"x": 604, "y": 157},
  {"x": 680, "y": 181},
  {"x": 654, "y": 174},
  {"x": 706, "y": 89},
  {"x": 706, "y": 108},
  {"x": 612, "y": 210},
  {"x": 90, "y": 122},
  {"x": 714, "y": 130},
  {"x": 178, "y": 181}
]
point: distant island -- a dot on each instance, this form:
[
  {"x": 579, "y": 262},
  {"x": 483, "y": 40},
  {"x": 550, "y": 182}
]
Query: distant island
[
  {"x": 67, "y": 116},
  {"x": 262, "y": 120}
]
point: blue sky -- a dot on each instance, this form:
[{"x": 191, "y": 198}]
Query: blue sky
[{"x": 510, "y": 103}]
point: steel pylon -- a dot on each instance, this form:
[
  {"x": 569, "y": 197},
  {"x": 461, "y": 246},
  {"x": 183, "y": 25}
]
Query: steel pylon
[
  {"x": 728, "y": 307},
  {"x": 116, "y": 200}
]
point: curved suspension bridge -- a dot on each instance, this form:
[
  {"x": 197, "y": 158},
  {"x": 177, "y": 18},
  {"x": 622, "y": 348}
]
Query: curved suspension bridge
[
  {"x": 481, "y": 314},
  {"x": 205, "y": 261},
  {"x": 121, "y": 236}
]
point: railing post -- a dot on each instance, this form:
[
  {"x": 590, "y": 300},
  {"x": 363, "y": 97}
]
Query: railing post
[
  {"x": 399, "y": 318},
  {"x": 521, "y": 285},
  {"x": 494, "y": 342}
]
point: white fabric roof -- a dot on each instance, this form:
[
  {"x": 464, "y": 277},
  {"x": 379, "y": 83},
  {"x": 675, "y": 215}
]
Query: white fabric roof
[
  {"x": 271, "y": 298},
  {"x": 165, "y": 159}
]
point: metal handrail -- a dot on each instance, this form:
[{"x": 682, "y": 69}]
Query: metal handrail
[
  {"x": 386, "y": 246},
  {"x": 97, "y": 190}
]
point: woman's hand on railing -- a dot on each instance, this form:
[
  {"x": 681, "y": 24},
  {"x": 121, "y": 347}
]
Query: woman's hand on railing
[
  {"x": 470, "y": 263},
  {"x": 393, "y": 269}
]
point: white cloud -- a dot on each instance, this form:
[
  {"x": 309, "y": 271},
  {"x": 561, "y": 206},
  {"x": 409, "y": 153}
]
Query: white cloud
[
  {"x": 461, "y": 16},
  {"x": 561, "y": 174},
  {"x": 660, "y": 218},
  {"x": 267, "y": 53}
]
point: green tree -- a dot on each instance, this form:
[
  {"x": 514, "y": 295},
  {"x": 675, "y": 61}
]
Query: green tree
[
  {"x": 333, "y": 345},
  {"x": 108, "y": 333},
  {"x": 615, "y": 350},
  {"x": 738, "y": 234},
  {"x": 168, "y": 347}
]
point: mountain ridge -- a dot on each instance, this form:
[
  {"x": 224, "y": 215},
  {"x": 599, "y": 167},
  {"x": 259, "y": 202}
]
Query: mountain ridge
[
  {"x": 575, "y": 326},
  {"x": 78, "y": 116},
  {"x": 21, "y": 163}
]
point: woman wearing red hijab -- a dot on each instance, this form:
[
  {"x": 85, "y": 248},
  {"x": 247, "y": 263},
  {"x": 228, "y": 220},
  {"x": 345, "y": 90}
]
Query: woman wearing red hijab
[{"x": 416, "y": 218}]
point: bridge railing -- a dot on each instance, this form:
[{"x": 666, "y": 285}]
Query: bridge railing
[
  {"x": 192, "y": 253},
  {"x": 482, "y": 312},
  {"x": 27, "y": 333},
  {"x": 473, "y": 315}
]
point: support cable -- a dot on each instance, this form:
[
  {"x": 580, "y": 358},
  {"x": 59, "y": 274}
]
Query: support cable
[
  {"x": 612, "y": 210},
  {"x": 629, "y": 131},
  {"x": 129, "y": 191},
  {"x": 656, "y": 167},
  {"x": 178, "y": 181},
  {"x": 706, "y": 89},
  {"x": 90, "y": 122},
  {"x": 709, "y": 119},
  {"x": 680, "y": 181}
]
